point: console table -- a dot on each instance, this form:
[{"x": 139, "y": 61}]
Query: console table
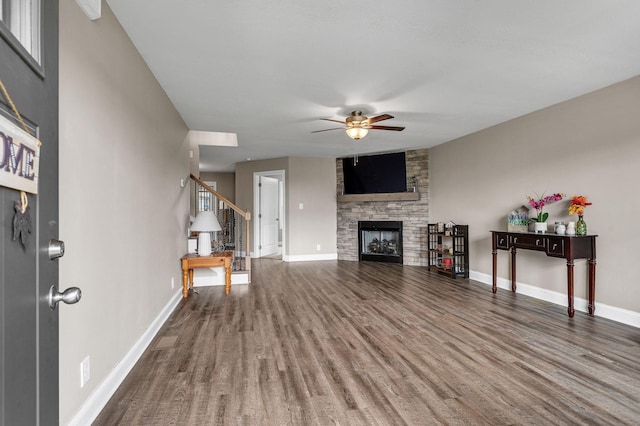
[
  {"x": 191, "y": 261},
  {"x": 569, "y": 247}
]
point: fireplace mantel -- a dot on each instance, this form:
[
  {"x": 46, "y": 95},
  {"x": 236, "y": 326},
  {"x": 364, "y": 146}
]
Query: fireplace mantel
[{"x": 387, "y": 196}]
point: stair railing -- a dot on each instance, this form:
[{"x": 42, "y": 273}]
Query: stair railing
[{"x": 235, "y": 223}]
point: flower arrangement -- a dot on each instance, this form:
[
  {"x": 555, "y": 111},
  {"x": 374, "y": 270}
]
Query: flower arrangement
[
  {"x": 541, "y": 202},
  {"x": 577, "y": 205}
]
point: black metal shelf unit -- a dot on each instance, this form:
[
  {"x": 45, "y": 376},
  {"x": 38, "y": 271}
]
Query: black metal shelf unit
[{"x": 448, "y": 249}]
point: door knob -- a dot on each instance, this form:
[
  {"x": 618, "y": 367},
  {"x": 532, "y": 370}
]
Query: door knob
[{"x": 69, "y": 296}]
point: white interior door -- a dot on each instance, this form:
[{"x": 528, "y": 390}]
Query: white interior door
[{"x": 268, "y": 215}]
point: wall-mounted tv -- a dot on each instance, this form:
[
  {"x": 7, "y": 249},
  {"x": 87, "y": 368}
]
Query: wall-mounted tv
[{"x": 374, "y": 174}]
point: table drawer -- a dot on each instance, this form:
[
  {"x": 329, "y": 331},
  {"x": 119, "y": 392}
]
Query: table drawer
[
  {"x": 533, "y": 242},
  {"x": 502, "y": 240},
  {"x": 555, "y": 247}
]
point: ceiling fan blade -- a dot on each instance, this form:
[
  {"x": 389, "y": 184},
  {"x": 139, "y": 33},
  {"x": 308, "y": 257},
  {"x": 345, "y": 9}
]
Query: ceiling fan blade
[
  {"x": 326, "y": 130},
  {"x": 380, "y": 118},
  {"x": 387, "y": 128},
  {"x": 331, "y": 119}
]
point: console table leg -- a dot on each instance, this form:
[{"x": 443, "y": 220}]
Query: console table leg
[
  {"x": 592, "y": 286},
  {"x": 495, "y": 267},
  {"x": 570, "y": 309},
  {"x": 513, "y": 269}
]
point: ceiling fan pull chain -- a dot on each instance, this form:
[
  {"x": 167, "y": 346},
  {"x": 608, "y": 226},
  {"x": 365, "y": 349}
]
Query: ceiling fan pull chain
[{"x": 355, "y": 154}]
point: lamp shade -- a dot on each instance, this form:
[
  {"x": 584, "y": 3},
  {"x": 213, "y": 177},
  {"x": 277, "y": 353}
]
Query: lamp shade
[
  {"x": 205, "y": 223},
  {"x": 357, "y": 132}
]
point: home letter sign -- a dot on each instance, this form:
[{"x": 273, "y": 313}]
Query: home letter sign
[{"x": 19, "y": 158}]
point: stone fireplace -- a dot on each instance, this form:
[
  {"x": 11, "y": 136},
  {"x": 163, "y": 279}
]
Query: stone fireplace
[
  {"x": 413, "y": 214},
  {"x": 380, "y": 241}
]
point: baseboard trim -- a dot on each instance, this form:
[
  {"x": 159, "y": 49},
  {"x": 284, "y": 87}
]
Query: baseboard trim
[
  {"x": 94, "y": 404},
  {"x": 310, "y": 257},
  {"x": 613, "y": 313}
]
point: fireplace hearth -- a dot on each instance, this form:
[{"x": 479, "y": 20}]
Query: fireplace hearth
[{"x": 380, "y": 241}]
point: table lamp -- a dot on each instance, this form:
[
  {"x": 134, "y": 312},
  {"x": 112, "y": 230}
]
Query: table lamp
[{"x": 205, "y": 223}]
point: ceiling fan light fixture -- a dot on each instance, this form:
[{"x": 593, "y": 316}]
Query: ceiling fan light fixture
[
  {"x": 357, "y": 132},
  {"x": 357, "y": 125}
]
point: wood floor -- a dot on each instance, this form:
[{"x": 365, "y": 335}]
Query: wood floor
[{"x": 348, "y": 343}]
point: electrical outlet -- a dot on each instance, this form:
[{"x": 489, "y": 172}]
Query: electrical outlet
[
  {"x": 318, "y": 247},
  {"x": 300, "y": 206},
  {"x": 85, "y": 372},
  {"x": 173, "y": 283}
]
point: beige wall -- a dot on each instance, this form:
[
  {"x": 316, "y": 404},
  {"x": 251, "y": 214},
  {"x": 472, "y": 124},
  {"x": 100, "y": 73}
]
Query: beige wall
[
  {"x": 586, "y": 146},
  {"x": 122, "y": 212},
  {"x": 226, "y": 183},
  {"x": 310, "y": 181}
]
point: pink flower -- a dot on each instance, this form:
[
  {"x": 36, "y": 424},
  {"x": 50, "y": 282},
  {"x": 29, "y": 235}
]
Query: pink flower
[{"x": 541, "y": 202}]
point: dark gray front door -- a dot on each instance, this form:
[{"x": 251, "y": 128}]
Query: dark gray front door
[{"x": 28, "y": 327}]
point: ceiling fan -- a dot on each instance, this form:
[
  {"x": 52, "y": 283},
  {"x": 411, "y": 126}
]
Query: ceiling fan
[{"x": 358, "y": 125}]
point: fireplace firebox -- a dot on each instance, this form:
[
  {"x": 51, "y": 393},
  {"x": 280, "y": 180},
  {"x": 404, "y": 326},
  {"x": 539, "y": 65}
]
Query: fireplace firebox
[{"x": 380, "y": 241}]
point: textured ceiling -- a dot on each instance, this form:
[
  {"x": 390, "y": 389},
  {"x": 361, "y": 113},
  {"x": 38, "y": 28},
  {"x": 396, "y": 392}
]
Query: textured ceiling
[{"x": 269, "y": 70}]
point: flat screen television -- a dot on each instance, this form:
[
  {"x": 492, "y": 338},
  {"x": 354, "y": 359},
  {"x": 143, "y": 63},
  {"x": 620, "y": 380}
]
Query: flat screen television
[{"x": 374, "y": 174}]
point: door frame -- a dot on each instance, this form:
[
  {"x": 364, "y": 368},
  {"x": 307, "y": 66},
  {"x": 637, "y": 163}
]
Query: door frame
[{"x": 280, "y": 175}]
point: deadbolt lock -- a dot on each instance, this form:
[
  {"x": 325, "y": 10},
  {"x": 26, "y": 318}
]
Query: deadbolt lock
[{"x": 56, "y": 249}]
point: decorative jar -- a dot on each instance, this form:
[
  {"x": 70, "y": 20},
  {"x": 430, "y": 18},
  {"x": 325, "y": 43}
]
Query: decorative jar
[{"x": 581, "y": 226}]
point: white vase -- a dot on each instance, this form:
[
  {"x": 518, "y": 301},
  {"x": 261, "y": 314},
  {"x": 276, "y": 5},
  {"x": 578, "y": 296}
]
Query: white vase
[{"x": 540, "y": 227}]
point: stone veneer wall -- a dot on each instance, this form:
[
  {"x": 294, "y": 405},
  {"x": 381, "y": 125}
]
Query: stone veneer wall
[{"x": 413, "y": 214}]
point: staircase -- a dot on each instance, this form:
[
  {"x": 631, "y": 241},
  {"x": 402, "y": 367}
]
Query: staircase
[{"x": 235, "y": 225}]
